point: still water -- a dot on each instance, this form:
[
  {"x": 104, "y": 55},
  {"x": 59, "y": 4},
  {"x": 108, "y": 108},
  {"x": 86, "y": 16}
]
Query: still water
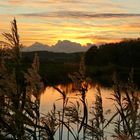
[{"x": 51, "y": 96}]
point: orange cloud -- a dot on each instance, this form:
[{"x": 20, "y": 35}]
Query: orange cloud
[{"x": 75, "y": 20}]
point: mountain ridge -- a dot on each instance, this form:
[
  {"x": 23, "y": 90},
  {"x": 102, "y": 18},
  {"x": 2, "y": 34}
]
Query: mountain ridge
[{"x": 65, "y": 46}]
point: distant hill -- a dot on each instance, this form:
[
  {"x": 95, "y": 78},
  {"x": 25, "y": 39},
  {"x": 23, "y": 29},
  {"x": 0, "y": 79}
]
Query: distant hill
[
  {"x": 65, "y": 46},
  {"x": 54, "y": 67},
  {"x": 36, "y": 47},
  {"x": 52, "y": 57}
]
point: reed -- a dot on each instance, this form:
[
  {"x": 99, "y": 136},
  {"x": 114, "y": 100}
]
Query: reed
[{"x": 126, "y": 101}]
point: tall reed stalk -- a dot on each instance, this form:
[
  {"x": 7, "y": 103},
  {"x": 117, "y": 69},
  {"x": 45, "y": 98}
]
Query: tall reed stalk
[
  {"x": 64, "y": 103},
  {"x": 126, "y": 101},
  {"x": 20, "y": 110},
  {"x": 81, "y": 83}
]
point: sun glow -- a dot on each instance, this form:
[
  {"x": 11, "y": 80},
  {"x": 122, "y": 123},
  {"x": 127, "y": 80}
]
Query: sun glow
[{"x": 84, "y": 22}]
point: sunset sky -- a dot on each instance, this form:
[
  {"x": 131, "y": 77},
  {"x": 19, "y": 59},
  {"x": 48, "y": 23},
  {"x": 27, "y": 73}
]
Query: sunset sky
[{"x": 81, "y": 21}]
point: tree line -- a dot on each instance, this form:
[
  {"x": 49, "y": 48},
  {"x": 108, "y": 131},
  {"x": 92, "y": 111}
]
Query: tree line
[
  {"x": 125, "y": 53},
  {"x": 102, "y": 61}
]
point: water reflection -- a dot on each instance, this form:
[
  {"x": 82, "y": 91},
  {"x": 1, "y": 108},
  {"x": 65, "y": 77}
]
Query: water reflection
[{"x": 51, "y": 96}]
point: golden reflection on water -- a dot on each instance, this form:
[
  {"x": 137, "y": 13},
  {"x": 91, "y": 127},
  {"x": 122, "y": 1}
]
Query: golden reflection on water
[{"x": 52, "y": 96}]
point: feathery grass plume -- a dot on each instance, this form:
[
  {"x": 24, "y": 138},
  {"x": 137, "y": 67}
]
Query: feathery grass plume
[
  {"x": 13, "y": 120},
  {"x": 13, "y": 41},
  {"x": 50, "y": 123},
  {"x": 81, "y": 84},
  {"x": 96, "y": 130},
  {"x": 73, "y": 115},
  {"x": 99, "y": 107},
  {"x": 127, "y": 106},
  {"x": 5, "y": 52},
  {"x": 34, "y": 88},
  {"x": 18, "y": 107}
]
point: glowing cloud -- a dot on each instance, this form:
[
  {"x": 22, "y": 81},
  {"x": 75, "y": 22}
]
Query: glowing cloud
[{"x": 48, "y": 21}]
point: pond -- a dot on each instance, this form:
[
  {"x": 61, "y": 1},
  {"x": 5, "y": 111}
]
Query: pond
[{"x": 51, "y": 96}]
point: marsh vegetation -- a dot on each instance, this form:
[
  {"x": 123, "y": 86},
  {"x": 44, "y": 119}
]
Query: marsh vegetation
[{"x": 20, "y": 95}]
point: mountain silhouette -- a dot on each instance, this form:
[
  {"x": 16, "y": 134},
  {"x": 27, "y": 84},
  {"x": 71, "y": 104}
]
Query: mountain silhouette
[{"x": 65, "y": 46}]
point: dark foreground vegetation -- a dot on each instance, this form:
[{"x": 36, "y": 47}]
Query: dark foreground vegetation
[{"x": 20, "y": 91}]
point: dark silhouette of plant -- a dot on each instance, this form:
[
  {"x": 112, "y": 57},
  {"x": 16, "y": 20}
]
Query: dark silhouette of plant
[
  {"x": 127, "y": 106},
  {"x": 73, "y": 115},
  {"x": 14, "y": 89},
  {"x": 34, "y": 88},
  {"x": 81, "y": 83},
  {"x": 62, "y": 116},
  {"x": 17, "y": 114},
  {"x": 13, "y": 42},
  {"x": 97, "y": 120},
  {"x": 50, "y": 123}
]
